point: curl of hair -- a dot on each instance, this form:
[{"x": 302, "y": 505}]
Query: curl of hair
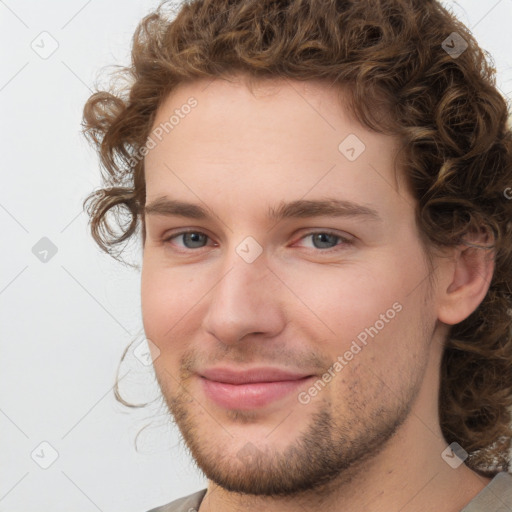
[{"x": 387, "y": 56}]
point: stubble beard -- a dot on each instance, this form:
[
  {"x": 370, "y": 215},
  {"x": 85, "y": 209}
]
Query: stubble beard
[{"x": 327, "y": 455}]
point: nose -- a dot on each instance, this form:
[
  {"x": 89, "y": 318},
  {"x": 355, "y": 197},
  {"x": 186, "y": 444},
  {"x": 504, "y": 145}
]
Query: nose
[{"x": 246, "y": 300}]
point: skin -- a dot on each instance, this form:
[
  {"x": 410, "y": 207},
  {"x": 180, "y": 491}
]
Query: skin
[{"x": 370, "y": 439}]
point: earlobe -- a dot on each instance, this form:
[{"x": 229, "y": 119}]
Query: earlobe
[{"x": 469, "y": 277}]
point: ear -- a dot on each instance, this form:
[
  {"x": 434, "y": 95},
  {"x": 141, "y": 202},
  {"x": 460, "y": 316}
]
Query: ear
[{"x": 466, "y": 279}]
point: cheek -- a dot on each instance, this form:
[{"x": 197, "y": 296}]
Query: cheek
[
  {"x": 161, "y": 310},
  {"x": 172, "y": 304},
  {"x": 369, "y": 304},
  {"x": 343, "y": 299},
  {"x": 163, "y": 299}
]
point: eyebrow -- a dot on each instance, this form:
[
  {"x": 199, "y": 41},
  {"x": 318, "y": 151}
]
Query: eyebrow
[{"x": 300, "y": 208}]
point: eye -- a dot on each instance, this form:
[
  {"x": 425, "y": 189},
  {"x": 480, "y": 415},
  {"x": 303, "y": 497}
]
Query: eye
[
  {"x": 327, "y": 240},
  {"x": 191, "y": 239},
  {"x": 324, "y": 241}
]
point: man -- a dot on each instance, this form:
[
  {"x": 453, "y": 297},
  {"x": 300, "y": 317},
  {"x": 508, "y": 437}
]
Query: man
[{"x": 322, "y": 187}]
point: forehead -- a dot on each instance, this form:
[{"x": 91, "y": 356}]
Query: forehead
[{"x": 269, "y": 137}]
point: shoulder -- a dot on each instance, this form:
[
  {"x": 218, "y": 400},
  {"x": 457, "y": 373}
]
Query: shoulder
[
  {"x": 494, "y": 497},
  {"x": 188, "y": 503}
]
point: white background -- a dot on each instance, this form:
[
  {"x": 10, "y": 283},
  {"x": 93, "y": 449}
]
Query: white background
[{"x": 65, "y": 323}]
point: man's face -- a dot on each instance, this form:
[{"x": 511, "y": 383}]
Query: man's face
[{"x": 333, "y": 306}]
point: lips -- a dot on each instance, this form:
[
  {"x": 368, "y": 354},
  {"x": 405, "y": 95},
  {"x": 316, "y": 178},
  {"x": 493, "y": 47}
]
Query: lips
[
  {"x": 250, "y": 389},
  {"x": 252, "y": 375}
]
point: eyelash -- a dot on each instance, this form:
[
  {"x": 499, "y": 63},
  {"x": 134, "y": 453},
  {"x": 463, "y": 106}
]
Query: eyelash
[{"x": 345, "y": 241}]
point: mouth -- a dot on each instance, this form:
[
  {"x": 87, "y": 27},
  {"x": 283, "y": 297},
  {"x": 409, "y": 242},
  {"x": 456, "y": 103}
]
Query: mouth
[{"x": 250, "y": 389}]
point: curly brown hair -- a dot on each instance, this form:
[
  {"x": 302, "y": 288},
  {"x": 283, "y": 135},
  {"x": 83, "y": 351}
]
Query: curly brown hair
[{"x": 444, "y": 107}]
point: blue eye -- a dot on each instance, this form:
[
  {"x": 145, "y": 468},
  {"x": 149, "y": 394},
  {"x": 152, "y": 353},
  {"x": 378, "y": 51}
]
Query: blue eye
[
  {"x": 196, "y": 239},
  {"x": 323, "y": 237}
]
